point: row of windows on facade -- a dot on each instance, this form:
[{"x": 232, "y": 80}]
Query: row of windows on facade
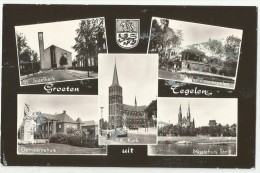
[
  {"x": 50, "y": 127},
  {"x": 117, "y": 89},
  {"x": 81, "y": 62},
  {"x": 128, "y": 113},
  {"x": 130, "y": 120},
  {"x": 114, "y": 100}
]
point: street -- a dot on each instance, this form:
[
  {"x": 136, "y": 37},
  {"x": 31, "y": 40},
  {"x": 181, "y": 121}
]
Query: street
[{"x": 55, "y": 76}]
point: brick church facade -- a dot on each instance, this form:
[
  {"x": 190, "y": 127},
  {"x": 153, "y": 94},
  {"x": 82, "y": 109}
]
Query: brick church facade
[{"x": 123, "y": 115}]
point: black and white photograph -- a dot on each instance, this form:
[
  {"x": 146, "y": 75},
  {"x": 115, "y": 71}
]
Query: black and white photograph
[
  {"x": 60, "y": 51},
  {"x": 58, "y": 125},
  {"x": 196, "y": 127},
  {"x": 196, "y": 53},
  {"x": 127, "y": 91}
]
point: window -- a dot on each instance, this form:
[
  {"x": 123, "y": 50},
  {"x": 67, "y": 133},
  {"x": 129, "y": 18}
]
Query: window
[{"x": 59, "y": 126}]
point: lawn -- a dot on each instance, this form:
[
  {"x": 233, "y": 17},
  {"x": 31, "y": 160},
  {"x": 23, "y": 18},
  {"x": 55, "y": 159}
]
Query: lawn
[
  {"x": 55, "y": 149},
  {"x": 195, "y": 139}
]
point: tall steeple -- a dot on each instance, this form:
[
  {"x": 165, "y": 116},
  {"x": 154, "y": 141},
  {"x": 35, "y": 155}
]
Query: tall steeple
[
  {"x": 115, "y": 77},
  {"x": 115, "y": 103},
  {"x": 188, "y": 113},
  {"x": 180, "y": 117},
  {"x": 135, "y": 102}
]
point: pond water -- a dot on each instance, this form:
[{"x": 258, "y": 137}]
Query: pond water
[{"x": 192, "y": 149}]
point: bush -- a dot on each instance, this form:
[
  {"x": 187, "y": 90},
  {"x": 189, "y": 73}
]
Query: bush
[
  {"x": 75, "y": 137},
  {"x": 59, "y": 138},
  {"x": 63, "y": 61},
  {"x": 213, "y": 70}
]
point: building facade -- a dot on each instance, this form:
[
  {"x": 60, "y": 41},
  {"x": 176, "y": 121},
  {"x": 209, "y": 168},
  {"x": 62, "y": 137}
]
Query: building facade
[
  {"x": 47, "y": 124},
  {"x": 185, "y": 121},
  {"x": 123, "y": 115},
  {"x": 50, "y": 57}
]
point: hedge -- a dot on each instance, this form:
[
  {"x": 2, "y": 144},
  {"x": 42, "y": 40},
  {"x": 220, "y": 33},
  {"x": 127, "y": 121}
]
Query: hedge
[{"x": 75, "y": 137}]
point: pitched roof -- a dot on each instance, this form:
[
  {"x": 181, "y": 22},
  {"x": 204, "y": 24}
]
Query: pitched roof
[
  {"x": 89, "y": 123},
  {"x": 63, "y": 117},
  {"x": 57, "y": 47},
  {"x": 49, "y": 116},
  {"x": 132, "y": 108}
]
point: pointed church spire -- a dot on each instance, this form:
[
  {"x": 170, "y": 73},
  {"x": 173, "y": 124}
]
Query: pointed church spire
[
  {"x": 135, "y": 101},
  {"x": 115, "y": 77},
  {"x": 188, "y": 113}
]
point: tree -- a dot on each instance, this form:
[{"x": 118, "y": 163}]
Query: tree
[
  {"x": 25, "y": 53},
  {"x": 163, "y": 36},
  {"x": 63, "y": 61},
  {"x": 151, "y": 109},
  {"x": 232, "y": 47},
  {"x": 89, "y": 39},
  {"x": 215, "y": 46}
]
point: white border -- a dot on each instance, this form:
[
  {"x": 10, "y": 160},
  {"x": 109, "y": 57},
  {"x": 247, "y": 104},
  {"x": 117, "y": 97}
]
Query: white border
[
  {"x": 136, "y": 144},
  {"x": 238, "y": 58},
  {"x": 177, "y": 155},
  {"x": 36, "y": 154},
  {"x": 62, "y": 80},
  {"x": 256, "y": 169}
]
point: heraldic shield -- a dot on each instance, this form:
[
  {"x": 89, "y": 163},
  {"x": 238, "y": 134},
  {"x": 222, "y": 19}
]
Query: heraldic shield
[{"x": 127, "y": 32}]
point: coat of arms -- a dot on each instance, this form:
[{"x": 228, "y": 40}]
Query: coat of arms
[{"x": 127, "y": 32}]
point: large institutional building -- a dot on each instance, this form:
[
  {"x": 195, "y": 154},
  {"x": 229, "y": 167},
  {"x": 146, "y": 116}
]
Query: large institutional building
[
  {"x": 50, "y": 57},
  {"x": 185, "y": 121},
  {"x": 44, "y": 125},
  {"x": 123, "y": 115}
]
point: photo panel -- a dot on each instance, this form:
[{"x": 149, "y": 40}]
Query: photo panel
[
  {"x": 58, "y": 125},
  {"x": 128, "y": 85},
  {"x": 196, "y": 127},
  {"x": 60, "y": 51},
  {"x": 196, "y": 53}
]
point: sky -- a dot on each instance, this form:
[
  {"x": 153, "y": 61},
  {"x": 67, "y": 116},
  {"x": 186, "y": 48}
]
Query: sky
[
  {"x": 194, "y": 33},
  {"x": 84, "y": 107},
  {"x": 137, "y": 75},
  {"x": 61, "y": 34},
  {"x": 223, "y": 110}
]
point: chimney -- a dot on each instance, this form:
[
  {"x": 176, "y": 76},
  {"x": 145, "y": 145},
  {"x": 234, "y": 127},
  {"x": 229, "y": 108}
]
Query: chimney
[{"x": 41, "y": 49}]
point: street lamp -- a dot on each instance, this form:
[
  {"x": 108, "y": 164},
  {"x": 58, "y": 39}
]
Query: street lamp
[{"x": 101, "y": 123}]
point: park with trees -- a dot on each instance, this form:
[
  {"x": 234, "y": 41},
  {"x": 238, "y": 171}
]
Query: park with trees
[{"x": 220, "y": 55}]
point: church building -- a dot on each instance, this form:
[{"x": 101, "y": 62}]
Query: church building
[
  {"x": 123, "y": 115},
  {"x": 185, "y": 121},
  {"x": 50, "y": 57}
]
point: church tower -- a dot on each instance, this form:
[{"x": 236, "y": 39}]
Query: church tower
[
  {"x": 115, "y": 103},
  {"x": 180, "y": 117},
  {"x": 188, "y": 113}
]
